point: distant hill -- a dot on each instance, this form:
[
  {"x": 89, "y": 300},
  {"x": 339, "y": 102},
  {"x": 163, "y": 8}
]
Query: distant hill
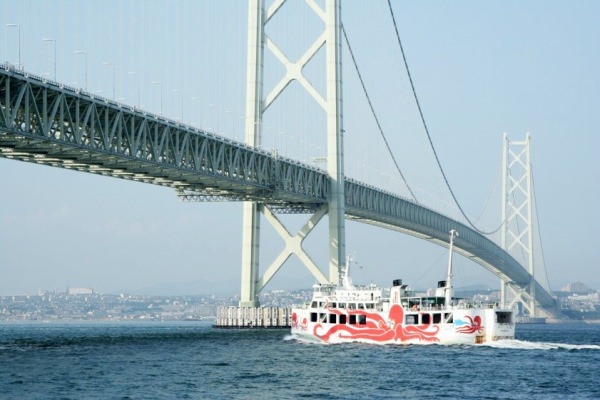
[
  {"x": 231, "y": 287},
  {"x": 578, "y": 288},
  {"x": 471, "y": 290},
  {"x": 197, "y": 287},
  {"x": 477, "y": 287}
]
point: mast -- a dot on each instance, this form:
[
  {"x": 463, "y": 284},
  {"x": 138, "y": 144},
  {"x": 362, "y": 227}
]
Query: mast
[
  {"x": 345, "y": 280},
  {"x": 453, "y": 234}
]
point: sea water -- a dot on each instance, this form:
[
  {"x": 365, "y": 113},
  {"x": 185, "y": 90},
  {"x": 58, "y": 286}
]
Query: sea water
[{"x": 193, "y": 360}]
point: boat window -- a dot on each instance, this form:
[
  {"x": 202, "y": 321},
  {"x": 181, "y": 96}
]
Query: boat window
[
  {"x": 321, "y": 304},
  {"x": 437, "y": 318},
  {"x": 333, "y": 305},
  {"x": 411, "y": 319},
  {"x": 332, "y": 319},
  {"x": 370, "y": 306},
  {"x": 362, "y": 319},
  {"x": 351, "y": 306},
  {"x": 313, "y": 304},
  {"x": 361, "y": 306},
  {"x": 425, "y": 318},
  {"x": 352, "y": 319},
  {"x": 313, "y": 317},
  {"x": 342, "y": 318},
  {"x": 341, "y": 305},
  {"x": 448, "y": 318},
  {"x": 322, "y": 317},
  {"x": 503, "y": 317}
]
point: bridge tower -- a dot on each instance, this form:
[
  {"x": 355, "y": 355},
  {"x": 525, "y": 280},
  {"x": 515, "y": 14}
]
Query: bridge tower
[
  {"x": 256, "y": 105},
  {"x": 517, "y": 215}
]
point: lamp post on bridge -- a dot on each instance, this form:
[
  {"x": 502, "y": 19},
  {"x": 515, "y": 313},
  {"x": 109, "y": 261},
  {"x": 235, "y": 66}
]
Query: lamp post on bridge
[
  {"x": 85, "y": 66},
  {"x": 54, "y": 42},
  {"x": 229, "y": 112},
  {"x": 200, "y": 113},
  {"x": 215, "y": 115},
  {"x": 19, "y": 29},
  {"x": 113, "y": 76},
  {"x": 159, "y": 83},
  {"x": 238, "y": 126},
  {"x": 139, "y": 86},
  {"x": 180, "y": 101}
]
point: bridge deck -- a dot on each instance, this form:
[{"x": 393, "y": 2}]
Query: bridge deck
[{"x": 46, "y": 123}]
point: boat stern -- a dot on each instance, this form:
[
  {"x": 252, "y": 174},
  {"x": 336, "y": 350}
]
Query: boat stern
[{"x": 500, "y": 324}]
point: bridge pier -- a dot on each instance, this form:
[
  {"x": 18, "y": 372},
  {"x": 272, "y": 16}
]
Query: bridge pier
[{"x": 254, "y": 317}]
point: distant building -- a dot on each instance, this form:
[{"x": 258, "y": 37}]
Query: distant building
[{"x": 78, "y": 291}]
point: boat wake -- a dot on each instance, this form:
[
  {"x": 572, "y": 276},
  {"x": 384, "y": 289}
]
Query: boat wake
[
  {"x": 512, "y": 344},
  {"x": 302, "y": 340},
  {"x": 290, "y": 337},
  {"x": 527, "y": 345}
]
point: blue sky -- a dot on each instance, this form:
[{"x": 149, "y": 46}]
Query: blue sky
[{"x": 480, "y": 69}]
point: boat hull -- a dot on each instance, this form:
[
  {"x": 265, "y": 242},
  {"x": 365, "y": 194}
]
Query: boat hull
[{"x": 399, "y": 326}]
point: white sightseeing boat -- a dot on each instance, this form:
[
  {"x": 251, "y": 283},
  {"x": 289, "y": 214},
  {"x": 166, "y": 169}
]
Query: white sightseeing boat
[{"x": 346, "y": 313}]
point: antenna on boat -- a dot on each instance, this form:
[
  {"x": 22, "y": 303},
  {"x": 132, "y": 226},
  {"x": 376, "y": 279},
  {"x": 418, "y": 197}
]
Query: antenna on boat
[{"x": 453, "y": 235}]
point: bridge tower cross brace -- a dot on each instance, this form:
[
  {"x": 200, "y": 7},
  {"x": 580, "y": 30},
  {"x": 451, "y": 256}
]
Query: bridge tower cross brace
[
  {"x": 517, "y": 209},
  {"x": 256, "y": 105}
]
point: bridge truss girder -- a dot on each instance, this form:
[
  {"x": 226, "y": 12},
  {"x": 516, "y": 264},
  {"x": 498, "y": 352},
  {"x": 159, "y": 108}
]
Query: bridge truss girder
[{"x": 44, "y": 123}]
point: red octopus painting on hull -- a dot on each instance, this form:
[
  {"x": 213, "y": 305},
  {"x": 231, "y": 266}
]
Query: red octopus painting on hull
[
  {"x": 302, "y": 325},
  {"x": 472, "y": 326},
  {"x": 377, "y": 329}
]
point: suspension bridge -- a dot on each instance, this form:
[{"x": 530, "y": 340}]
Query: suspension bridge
[{"x": 47, "y": 122}]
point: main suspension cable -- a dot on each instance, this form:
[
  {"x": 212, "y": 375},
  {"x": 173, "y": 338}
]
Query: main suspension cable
[
  {"x": 537, "y": 220},
  {"x": 375, "y": 115},
  {"x": 489, "y": 196},
  {"x": 427, "y": 131}
]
